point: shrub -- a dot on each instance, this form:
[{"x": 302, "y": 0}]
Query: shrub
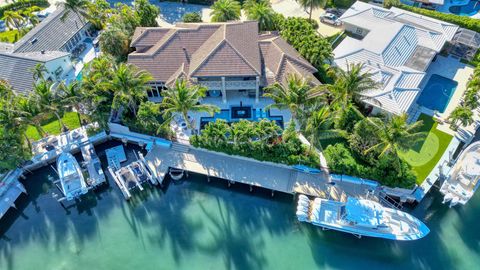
[
  {"x": 23, "y": 4},
  {"x": 192, "y": 17},
  {"x": 462, "y": 21}
]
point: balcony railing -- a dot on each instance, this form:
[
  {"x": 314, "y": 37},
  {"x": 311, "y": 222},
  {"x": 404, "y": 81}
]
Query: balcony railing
[{"x": 229, "y": 85}]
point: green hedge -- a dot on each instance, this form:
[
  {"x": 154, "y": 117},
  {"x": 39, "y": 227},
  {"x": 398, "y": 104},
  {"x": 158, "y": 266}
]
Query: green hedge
[
  {"x": 197, "y": 2},
  {"x": 23, "y": 4},
  {"x": 462, "y": 21}
]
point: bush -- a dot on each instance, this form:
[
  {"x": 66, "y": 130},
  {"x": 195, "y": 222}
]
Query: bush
[
  {"x": 462, "y": 21},
  {"x": 23, "y": 4},
  {"x": 192, "y": 17}
]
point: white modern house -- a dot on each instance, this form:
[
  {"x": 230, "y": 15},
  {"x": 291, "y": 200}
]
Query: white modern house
[{"x": 395, "y": 45}]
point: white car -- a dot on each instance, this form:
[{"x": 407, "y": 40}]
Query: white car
[{"x": 331, "y": 19}]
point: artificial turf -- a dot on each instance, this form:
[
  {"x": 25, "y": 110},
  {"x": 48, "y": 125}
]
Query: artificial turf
[{"x": 424, "y": 155}]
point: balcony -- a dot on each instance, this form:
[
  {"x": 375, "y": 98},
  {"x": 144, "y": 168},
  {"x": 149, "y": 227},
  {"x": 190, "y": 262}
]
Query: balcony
[{"x": 229, "y": 85}]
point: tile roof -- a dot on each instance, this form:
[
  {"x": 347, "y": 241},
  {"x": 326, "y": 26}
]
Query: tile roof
[
  {"x": 215, "y": 49},
  {"x": 398, "y": 48},
  {"x": 52, "y": 33},
  {"x": 16, "y": 68}
]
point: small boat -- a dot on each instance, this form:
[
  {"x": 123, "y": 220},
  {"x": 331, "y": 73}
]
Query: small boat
[
  {"x": 463, "y": 179},
  {"x": 361, "y": 218},
  {"x": 71, "y": 177}
]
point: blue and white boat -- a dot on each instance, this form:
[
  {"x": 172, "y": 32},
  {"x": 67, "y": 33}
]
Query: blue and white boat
[
  {"x": 71, "y": 177},
  {"x": 361, "y": 218}
]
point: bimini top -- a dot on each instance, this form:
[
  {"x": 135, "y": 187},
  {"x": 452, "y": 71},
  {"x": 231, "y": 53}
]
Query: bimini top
[
  {"x": 396, "y": 46},
  {"x": 363, "y": 212}
]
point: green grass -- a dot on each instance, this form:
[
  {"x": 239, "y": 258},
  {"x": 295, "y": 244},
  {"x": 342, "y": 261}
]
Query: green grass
[
  {"x": 52, "y": 127},
  {"x": 9, "y": 36},
  {"x": 424, "y": 155}
]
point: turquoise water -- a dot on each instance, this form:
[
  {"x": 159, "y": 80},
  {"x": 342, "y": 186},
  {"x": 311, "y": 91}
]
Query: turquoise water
[
  {"x": 469, "y": 9},
  {"x": 437, "y": 93},
  {"x": 200, "y": 225}
]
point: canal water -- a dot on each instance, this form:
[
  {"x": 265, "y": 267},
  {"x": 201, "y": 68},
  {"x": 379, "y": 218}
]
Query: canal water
[{"x": 198, "y": 225}]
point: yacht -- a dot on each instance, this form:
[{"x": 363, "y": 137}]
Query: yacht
[
  {"x": 361, "y": 218},
  {"x": 462, "y": 180},
  {"x": 71, "y": 177}
]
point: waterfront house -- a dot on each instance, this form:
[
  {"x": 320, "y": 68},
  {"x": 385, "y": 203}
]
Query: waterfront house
[
  {"x": 395, "y": 45},
  {"x": 53, "y": 42},
  {"x": 231, "y": 59}
]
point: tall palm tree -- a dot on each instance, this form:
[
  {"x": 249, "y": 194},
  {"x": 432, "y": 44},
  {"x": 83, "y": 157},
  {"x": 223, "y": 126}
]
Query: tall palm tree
[
  {"x": 320, "y": 126},
  {"x": 29, "y": 15},
  {"x": 262, "y": 12},
  {"x": 462, "y": 115},
  {"x": 13, "y": 19},
  {"x": 38, "y": 70},
  {"x": 182, "y": 99},
  {"x": 72, "y": 97},
  {"x": 225, "y": 10},
  {"x": 310, "y": 4},
  {"x": 294, "y": 95},
  {"x": 216, "y": 132},
  {"x": 47, "y": 101},
  {"x": 395, "y": 135},
  {"x": 129, "y": 86},
  {"x": 79, "y": 7}
]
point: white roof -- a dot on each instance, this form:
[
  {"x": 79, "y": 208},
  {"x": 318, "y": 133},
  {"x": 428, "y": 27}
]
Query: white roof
[{"x": 398, "y": 48}]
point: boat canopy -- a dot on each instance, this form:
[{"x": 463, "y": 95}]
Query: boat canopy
[{"x": 363, "y": 212}]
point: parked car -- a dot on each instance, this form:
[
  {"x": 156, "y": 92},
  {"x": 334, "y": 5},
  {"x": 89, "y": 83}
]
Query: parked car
[
  {"x": 334, "y": 11},
  {"x": 3, "y": 26},
  {"x": 330, "y": 18}
]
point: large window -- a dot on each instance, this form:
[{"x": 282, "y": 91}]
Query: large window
[{"x": 155, "y": 89}]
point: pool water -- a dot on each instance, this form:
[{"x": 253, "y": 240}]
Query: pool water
[
  {"x": 469, "y": 9},
  {"x": 437, "y": 93}
]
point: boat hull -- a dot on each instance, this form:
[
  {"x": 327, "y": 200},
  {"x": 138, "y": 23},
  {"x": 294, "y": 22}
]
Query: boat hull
[{"x": 72, "y": 180}]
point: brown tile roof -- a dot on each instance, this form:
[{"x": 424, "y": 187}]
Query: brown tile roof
[{"x": 216, "y": 49}]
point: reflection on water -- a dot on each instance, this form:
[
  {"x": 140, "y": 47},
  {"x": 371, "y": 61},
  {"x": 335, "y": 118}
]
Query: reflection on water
[{"x": 198, "y": 225}]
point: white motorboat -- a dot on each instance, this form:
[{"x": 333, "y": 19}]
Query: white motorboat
[
  {"x": 361, "y": 218},
  {"x": 71, "y": 177},
  {"x": 463, "y": 179}
]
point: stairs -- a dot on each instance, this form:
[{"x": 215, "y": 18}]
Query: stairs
[{"x": 183, "y": 148}]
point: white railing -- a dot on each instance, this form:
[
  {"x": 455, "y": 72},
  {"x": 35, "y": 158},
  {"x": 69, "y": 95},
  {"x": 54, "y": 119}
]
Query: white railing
[{"x": 229, "y": 85}]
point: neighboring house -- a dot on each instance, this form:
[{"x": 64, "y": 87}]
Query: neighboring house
[
  {"x": 395, "y": 45},
  {"x": 50, "y": 43},
  {"x": 224, "y": 57}
]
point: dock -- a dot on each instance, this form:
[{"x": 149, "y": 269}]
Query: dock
[
  {"x": 237, "y": 169},
  {"x": 10, "y": 190},
  {"x": 96, "y": 176}
]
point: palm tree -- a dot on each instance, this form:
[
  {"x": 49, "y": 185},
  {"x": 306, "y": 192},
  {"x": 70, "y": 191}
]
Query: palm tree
[
  {"x": 182, "y": 99},
  {"x": 267, "y": 130},
  {"x": 395, "y": 135},
  {"x": 37, "y": 71},
  {"x": 28, "y": 13},
  {"x": 262, "y": 12},
  {"x": 72, "y": 96},
  {"x": 319, "y": 127},
  {"x": 13, "y": 19},
  {"x": 129, "y": 86},
  {"x": 294, "y": 95},
  {"x": 47, "y": 101},
  {"x": 461, "y": 114},
  {"x": 148, "y": 116},
  {"x": 79, "y": 7},
  {"x": 312, "y": 4},
  {"x": 225, "y": 10},
  {"x": 216, "y": 133}
]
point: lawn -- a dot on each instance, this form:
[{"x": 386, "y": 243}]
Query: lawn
[
  {"x": 52, "y": 127},
  {"x": 425, "y": 154}
]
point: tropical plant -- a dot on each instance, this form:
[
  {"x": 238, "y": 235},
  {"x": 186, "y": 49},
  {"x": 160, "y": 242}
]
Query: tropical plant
[
  {"x": 78, "y": 7},
  {"x": 215, "y": 134},
  {"x": 147, "y": 13},
  {"x": 225, "y": 10},
  {"x": 395, "y": 135},
  {"x": 38, "y": 70},
  {"x": 115, "y": 41},
  {"x": 192, "y": 17},
  {"x": 391, "y": 3},
  {"x": 13, "y": 19},
  {"x": 29, "y": 15},
  {"x": 320, "y": 127},
  {"x": 310, "y": 4},
  {"x": 293, "y": 95},
  {"x": 182, "y": 99},
  {"x": 470, "y": 98},
  {"x": 461, "y": 114},
  {"x": 12, "y": 150},
  {"x": 47, "y": 101},
  {"x": 98, "y": 11},
  {"x": 262, "y": 12},
  {"x": 71, "y": 97},
  {"x": 129, "y": 87}
]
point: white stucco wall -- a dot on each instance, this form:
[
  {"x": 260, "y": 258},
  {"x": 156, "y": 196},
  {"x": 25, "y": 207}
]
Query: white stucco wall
[{"x": 52, "y": 66}]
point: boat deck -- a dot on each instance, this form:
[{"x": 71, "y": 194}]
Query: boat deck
[
  {"x": 94, "y": 167},
  {"x": 115, "y": 156}
]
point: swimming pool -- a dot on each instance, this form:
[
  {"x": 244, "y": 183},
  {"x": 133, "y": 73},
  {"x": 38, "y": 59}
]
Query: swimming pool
[
  {"x": 469, "y": 9},
  {"x": 437, "y": 93}
]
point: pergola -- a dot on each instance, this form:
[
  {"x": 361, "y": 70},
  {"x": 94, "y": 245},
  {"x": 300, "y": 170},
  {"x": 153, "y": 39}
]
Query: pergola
[{"x": 465, "y": 44}]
